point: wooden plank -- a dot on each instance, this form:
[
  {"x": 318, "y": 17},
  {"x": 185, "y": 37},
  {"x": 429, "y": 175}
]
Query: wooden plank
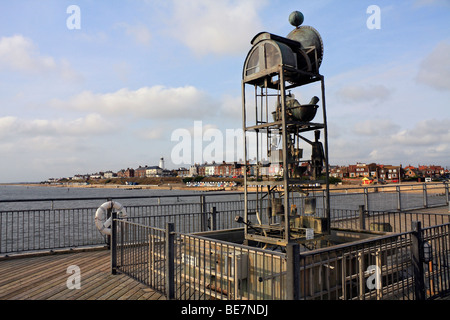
[
  {"x": 117, "y": 291},
  {"x": 45, "y": 278},
  {"x": 40, "y": 272},
  {"x": 48, "y": 283}
]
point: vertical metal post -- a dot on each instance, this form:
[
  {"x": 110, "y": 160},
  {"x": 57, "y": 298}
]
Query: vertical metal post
[
  {"x": 327, "y": 164},
  {"x": 446, "y": 194},
  {"x": 244, "y": 128},
  {"x": 399, "y": 200},
  {"x": 344, "y": 277},
  {"x": 203, "y": 220},
  {"x": 361, "y": 281},
  {"x": 425, "y": 200},
  {"x": 285, "y": 137},
  {"x": 214, "y": 219},
  {"x": 366, "y": 199},
  {"x": 378, "y": 281},
  {"x": 113, "y": 244},
  {"x": 417, "y": 260},
  {"x": 108, "y": 215},
  {"x": 170, "y": 260},
  {"x": 293, "y": 271},
  {"x": 362, "y": 218}
]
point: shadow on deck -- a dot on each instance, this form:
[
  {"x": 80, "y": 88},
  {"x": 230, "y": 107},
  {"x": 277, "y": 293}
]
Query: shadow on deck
[{"x": 48, "y": 277}]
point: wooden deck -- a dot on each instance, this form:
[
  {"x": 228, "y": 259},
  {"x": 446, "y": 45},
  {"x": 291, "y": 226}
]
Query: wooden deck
[{"x": 45, "y": 278}]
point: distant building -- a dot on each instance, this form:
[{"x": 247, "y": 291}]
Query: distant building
[
  {"x": 153, "y": 171},
  {"x": 431, "y": 171},
  {"x": 388, "y": 172},
  {"x": 410, "y": 171},
  {"x": 361, "y": 170},
  {"x": 193, "y": 170},
  {"x": 140, "y": 172},
  {"x": 109, "y": 174},
  {"x": 128, "y": 173},
  {"x": 183, "y": 172},
  {"x": 339, "y": 172}
]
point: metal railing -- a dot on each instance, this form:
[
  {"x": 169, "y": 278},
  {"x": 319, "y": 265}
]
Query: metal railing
[
  {"x": 32, "y": 230},
  {"x": 371, "y": 269},
  {"x": 191, "y": 267},
  {"x": 385, "y": 221},
  {"x": 213, "y": 269},
  {"x": 408, "y": 265},
  {"x": 391, "y": 197},
  {"x": 68, "y": 222},
  {"x": 47, "y": 224},
  {"x": 184, "y": 265}
]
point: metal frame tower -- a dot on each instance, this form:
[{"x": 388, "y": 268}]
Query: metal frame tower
[{"x": 277, "y": 129}]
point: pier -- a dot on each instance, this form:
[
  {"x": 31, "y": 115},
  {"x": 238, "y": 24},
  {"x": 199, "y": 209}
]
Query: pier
[
  {"x": 35, "y": 262},
  {"x": 45, "y": 277}
]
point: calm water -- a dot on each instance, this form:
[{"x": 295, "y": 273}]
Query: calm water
[
  {"x": 58, "y": 193},
  {"x": 42, "y": 228},
  {"x": 351, "y": 201}
]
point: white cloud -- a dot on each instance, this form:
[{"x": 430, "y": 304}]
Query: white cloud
[
  {"x": 12, "y": 128},
  {"x": 157, "y": 102},
  {"x": 426, "y": 141},
  {"x": 151, "y": 133},
  {"x": 429, "y": 133},
  {"x": 218, "y": 27},
  {"x": 364, "y": 93},
  {"x": 422, "y": 3},
  {"x": 232, "y": 107},
  {"x": 139, "y": 32},
  {"x": 20, "y": 54},
  {"x": 435, "y": 68},
  {"x": 375, "y": 127}
]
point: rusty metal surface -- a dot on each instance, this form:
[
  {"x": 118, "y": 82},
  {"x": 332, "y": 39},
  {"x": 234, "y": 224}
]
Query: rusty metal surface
[{"x": 309, "y": 37}]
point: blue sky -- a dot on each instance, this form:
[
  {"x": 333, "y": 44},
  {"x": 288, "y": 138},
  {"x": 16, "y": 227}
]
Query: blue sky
[{"x": 110, "y": 94}]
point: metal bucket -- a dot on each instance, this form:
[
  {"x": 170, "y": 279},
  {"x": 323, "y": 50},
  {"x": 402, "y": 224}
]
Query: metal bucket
[{"x": 310, "y": 206}]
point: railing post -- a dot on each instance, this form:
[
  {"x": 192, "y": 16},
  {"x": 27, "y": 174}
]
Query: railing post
[
  {"x": 446, "y": 194},
  {"x": 214, "y": 219},
  {"x": 170, "y": 261},
  {"x": 366, "y": 198},
  {"x": 113, "y": 242},
  {"x": 399, "y": 200},
  {"x": 203, "y": 219},
  {"x": 425, "y": 200},
  {"x": 293, "y": 271},
  {"x": 417, "y": 260},
  {"x": 362, "y": 218},
  {"x": 362, "y": 287},
  {"x": 108, "y": 215}
]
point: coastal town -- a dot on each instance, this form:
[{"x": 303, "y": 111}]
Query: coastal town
[{"x": 361, "y": 173}]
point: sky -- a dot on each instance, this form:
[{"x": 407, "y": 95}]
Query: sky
[{"x": 89, "y": 86}]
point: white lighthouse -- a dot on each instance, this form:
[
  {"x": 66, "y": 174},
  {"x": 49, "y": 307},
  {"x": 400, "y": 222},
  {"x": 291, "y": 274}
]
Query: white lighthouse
[{"x": 161, "y": 163}]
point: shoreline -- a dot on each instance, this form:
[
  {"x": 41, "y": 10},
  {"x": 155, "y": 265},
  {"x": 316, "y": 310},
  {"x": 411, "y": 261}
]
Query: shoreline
[
  {"x": 389, "y": 187},
  {"x": 127, "y": 187}
]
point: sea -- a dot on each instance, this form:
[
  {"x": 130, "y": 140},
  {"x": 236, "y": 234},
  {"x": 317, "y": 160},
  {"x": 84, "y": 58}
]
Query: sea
[
  {"x": 47, "y": 205},
  {"x": 19, "y": 197},
  {"x": 34, "y": 217}
]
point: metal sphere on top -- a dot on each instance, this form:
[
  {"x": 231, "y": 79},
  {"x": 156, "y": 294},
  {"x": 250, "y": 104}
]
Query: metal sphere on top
[{"x": 296, "y": 18}]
